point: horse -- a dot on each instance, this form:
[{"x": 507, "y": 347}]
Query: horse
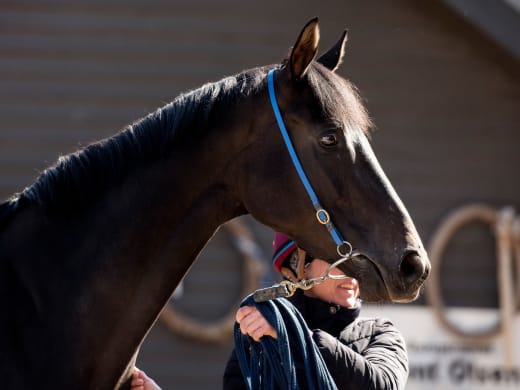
[{"x": 92, "y": 250}]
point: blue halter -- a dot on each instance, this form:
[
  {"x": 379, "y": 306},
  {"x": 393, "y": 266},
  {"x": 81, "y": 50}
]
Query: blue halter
[{"x": 322, "y": 215}]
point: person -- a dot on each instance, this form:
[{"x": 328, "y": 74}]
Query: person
[
  {"x": 141, "y": 381},
  {"x": 360, "y": 353}
]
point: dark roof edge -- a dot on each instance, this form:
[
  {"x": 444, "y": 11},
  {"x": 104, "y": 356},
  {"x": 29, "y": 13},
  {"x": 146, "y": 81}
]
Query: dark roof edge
[{"x": 497, "y": 19}]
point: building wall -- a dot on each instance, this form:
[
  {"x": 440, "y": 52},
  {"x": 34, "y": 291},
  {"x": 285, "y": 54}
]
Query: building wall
[{"x": 444, "y": 100}]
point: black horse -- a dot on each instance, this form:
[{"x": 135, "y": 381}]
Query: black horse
[{"x": 91, "y": 251}]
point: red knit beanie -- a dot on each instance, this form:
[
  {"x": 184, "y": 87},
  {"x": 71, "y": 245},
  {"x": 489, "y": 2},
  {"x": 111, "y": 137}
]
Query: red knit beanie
[{"x": 283, "y": 247}]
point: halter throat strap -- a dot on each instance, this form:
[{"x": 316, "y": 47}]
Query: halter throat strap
[{"x": 323, "y": 217}]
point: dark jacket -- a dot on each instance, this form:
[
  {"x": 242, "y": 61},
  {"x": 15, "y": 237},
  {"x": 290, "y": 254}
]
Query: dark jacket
[{"x": 360, "y": 353}]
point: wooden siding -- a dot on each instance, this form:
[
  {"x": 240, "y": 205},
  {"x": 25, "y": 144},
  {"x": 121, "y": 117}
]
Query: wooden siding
[{"x": 444, "y": 99}]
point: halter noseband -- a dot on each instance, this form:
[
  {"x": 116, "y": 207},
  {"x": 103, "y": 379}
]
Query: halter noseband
[{"x": 322, "y": 215}]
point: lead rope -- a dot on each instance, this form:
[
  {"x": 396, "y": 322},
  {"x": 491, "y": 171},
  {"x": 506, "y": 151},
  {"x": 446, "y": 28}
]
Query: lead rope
[{"x": 271, "y": 364}]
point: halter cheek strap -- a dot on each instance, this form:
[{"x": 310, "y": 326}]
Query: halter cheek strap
[{"x": 343, "y": 247}]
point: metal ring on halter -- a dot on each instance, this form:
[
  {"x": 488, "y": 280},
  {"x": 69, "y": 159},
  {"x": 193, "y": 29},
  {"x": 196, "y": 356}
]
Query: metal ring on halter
[{"x": 348, "y": 253}]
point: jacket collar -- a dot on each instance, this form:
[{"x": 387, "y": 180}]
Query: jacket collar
[{"x": 323, "y": 315}]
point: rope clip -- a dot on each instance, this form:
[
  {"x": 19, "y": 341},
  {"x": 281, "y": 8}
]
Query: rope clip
[{"x": 286, "y": 288}]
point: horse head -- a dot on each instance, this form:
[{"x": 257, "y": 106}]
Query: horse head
[{"x": 329, "y": 127}]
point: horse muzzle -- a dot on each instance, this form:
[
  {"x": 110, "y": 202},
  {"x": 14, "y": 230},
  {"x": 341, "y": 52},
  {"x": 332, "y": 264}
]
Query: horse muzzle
[{"x": 401, "y": 284}]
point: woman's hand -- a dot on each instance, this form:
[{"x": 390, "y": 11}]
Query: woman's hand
[
  {"x": 141, "y": 381},
  {"x": 253, "y": 323}
]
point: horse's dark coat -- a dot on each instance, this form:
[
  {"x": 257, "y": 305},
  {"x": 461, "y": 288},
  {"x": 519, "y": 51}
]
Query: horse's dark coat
[{"x": 92, "y": 250}]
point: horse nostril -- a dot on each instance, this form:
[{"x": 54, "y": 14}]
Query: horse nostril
[{"x": 412, "y": 268}]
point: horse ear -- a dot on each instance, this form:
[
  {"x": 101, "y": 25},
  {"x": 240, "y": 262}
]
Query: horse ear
[
  {"x": 305, "y": 49},
  {"x": 332, "y": 59}
]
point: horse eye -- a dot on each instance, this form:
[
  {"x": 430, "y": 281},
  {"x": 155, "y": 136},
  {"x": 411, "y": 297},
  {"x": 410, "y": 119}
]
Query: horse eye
[{"x": 329, "y": 140}]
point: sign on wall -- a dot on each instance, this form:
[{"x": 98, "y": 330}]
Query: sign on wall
[
  {"x": 439, "y": 360},
  {"x": 465, "y": 347}
]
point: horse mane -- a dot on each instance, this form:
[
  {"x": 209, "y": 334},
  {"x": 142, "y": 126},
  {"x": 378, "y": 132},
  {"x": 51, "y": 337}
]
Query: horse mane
[
  {"x": 7, "y": 210},
  {"x": 78, "y": 178}
]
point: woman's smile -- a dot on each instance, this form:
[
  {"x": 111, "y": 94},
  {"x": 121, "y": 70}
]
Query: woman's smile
[{"x": 343, "y": 292}]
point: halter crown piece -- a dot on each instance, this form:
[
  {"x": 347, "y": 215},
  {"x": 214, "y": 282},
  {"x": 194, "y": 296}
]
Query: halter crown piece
[{"x": 322, "y": 215}]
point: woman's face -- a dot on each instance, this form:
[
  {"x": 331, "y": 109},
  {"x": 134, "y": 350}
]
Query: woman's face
[{"x": 343, "y": 292}]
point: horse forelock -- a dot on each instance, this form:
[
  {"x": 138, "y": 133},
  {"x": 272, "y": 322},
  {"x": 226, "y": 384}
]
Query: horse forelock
[
  {"x": 78, "y": 178},
  {"x": 339, "y": 98}
]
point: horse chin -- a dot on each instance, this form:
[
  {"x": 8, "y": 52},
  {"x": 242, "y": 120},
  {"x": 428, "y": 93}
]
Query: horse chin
[{"x": 412, "y": 297}]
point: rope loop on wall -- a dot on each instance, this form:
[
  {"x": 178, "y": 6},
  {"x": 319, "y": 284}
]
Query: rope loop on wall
[{"x": 506, "y": 228}]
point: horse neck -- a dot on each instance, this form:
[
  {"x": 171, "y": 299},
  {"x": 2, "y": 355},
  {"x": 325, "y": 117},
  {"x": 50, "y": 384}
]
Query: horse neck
[
  {"x": 159, "y": 245},
  {"x": 99, "y": 278}
]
